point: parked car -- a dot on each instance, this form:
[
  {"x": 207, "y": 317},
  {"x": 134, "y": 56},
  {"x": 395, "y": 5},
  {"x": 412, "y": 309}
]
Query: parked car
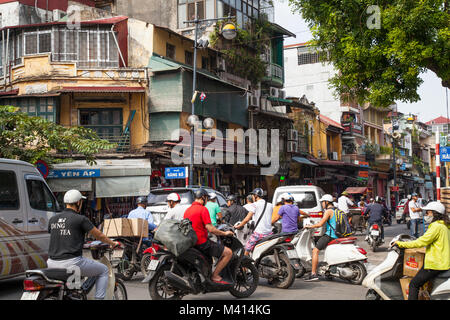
[
  {"x": 399, "y": 211},
  {"x": 307, "y": 199},
  {"x": 156, "y": 200},
  {"x": 26, "y": 205}
]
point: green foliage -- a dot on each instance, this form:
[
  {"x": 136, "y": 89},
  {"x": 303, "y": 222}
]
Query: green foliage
[
  {"x": 243, "y": 53},
  {"x": 32, "y": 138},
  {"x": 381, "y": 65}
]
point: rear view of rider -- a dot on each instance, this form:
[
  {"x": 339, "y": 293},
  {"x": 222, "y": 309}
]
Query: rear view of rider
[
  {"x": 176, "y": 210},
  {"x": 235, "y": 212},
  {"x": 67, "y": 234},
  {"x": 289, "y": 214},
  {"x": 437, "y": 241},
  {"x": 330, "y": 235},
  {"x": 201, "y": 223},
  {"x": 376, "y": 212}
]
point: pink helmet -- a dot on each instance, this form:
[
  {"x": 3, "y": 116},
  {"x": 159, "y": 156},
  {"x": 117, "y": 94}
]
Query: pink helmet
[{"x": 173, "y": 197}]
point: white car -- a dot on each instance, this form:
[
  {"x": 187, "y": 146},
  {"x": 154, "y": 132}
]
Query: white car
[
  {"x": 307, "y": 199},
  {"x": 399, "y": 211}
]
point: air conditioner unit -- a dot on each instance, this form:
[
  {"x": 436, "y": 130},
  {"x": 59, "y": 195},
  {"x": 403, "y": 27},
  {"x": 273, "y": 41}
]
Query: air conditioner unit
[
  {"x": 292, "y": 146},
  {"x": 253, "y": 100},
  {"x": 292, "y": 135},
  {"x": 335, "y": 156},
  {"x": 58, "y": 15},
  {"x": 274, "y": 92},
  {"x": 221, "y": 66},
  {"x": 281, "y": 94}
]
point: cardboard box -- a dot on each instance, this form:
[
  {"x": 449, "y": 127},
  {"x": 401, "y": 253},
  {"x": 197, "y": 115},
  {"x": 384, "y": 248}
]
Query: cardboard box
[
  {"x": 424, "y": 291},
  {"x": 413, "y": 261},
  {"x": 122, "y": 227}
]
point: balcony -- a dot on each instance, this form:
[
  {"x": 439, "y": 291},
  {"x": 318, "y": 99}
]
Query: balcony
[{"x": 274, "y": 74}]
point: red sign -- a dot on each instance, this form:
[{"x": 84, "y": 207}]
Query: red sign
[
  {"x": 363, "y": 174},
  {"x": 395, "y": 189},
  {"x": 42, "y": 168}
]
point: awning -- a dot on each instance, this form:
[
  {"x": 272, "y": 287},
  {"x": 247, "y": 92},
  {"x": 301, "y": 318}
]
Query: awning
[
  {"x": 103, "y": 89},
  {"x": 303, "y": 160},
  {"x": 122, "y": 187},
  {"x": 63, "y": 185},
  {"x": 356, "y": 190}
]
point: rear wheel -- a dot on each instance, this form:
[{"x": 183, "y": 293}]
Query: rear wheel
[
  {"x": 247, "y": 279},
  {"x": 120, "y": 292},
  {"x": 286, "y": 274},
  {"x": 372, "y": 295},
  {"x": 125, "y": 269},
  {"x": 146, "y": 258},
  {"x": 374, "y": 246},
  {"x": 359, "y": 272},
  {"x": 159, "y": 287}
]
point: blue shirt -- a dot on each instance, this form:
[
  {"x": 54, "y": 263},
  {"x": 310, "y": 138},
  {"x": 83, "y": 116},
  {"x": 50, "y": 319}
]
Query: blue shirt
[
  {"x": 331, "y": 227},
  {"x": 141, "y": 213},
  {"x": 289, "y": 214}
]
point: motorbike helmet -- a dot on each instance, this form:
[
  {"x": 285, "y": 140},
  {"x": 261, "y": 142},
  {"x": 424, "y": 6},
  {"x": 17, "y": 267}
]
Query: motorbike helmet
[
  {"x": 73, "y": 196},
  {"x": 258, "y": 192},
  {"x": 212, "y": 195},
  {"x": 141, "y": 200},
  {"x": 287, "y": 197},
  {"x": 377, "y": 199},
  {"x": 231, "y": 197},
  {"x": 409, "y": 197},
  {"x": 173, "y": 197},
  {"x": 326, "y": 197},
  {"x": 435, "y": 206},
  {"x": 200, "y": 193}
]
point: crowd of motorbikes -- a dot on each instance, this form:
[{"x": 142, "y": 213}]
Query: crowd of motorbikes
[{"x": 279, "y": 258}]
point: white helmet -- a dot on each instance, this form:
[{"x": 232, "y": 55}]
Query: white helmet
[
  {"x": 280, "y": 199},
  {"x": 73, "y": 196},
  {"x": 173, "y": 197},
  {"x": 287, "y": 196},
  {"x": 409, "y": 197},
  {"x": 212, "y": 195},
  {"x": 326, "y": 197},
  {"x": 435, "y": 206}
]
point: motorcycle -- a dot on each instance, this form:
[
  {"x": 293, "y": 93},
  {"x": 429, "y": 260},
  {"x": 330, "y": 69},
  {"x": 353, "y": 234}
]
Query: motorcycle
[
  {"x": 128, "y": 261},
  {"x": 147, "y": 257},
  {"x": 374, "y": 238},
  {"x": 55, "y": 284},
  {"x": 342, "y": 258},
  {"x": 170, "y": 277},
  {"x": 383, "y": 281}
]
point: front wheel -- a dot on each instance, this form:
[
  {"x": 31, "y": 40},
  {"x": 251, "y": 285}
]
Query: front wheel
[
  {"x": 125, "y": 269},
  {"x": 359, "y": 272},
  {"x": 374, "y": 246},
  {"x": 159, "y": 287},
  {"x": 247, "y": 279},
  {"x": 286, "y": 274},
  {"x": 120, "y": 291}
]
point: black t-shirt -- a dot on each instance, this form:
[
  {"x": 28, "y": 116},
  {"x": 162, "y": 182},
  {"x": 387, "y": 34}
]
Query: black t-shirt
[
  {"x": 67, "y": 231},
  {"x": 235, "y": 213}
]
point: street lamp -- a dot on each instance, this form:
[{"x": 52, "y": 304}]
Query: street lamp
[{"x": 229, "y": 34}]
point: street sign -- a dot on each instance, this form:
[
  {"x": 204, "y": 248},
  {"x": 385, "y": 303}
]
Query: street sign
[
  {"x": 74, "y": 173},
  {"x": 42, "y": 168},
  {"x": 445, "y": 154},
  {"x": 176, "y": 173}
]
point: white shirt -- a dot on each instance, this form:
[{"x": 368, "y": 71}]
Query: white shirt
[
  {"x": 265, "y": 225},
  {"x": 176, "y": 212},
  {"x": 250, "y": 207},
  {"x": 343, "y": 203},
  {"x": 414, "y": 215}
]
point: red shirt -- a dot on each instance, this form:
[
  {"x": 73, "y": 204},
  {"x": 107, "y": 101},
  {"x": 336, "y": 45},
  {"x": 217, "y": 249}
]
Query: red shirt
[{"x": 199, "y": 217}]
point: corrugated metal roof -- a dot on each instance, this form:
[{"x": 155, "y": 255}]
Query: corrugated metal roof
[
  {"x": 102, "y": 89},
  {"x": 330, "y": 122}
]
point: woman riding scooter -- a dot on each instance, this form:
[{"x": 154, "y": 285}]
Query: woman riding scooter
[{"x": 437, "y": 241}]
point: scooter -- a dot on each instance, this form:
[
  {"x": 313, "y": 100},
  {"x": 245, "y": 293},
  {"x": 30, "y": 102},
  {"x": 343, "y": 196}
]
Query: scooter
[
  {"x": 55, "y": 284},
  {"x": 374, "y": 238},
  {"x": 383, "y": 281},
  {"x": 342, "y": 258}
]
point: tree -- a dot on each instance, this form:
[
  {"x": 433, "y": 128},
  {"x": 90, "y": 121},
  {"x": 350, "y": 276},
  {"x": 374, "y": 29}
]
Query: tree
[
  {"x": 381, "y": 47},
  {"x": 29, "y": 139}
]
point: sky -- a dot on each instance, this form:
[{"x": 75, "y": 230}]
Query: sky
[{"x": 433, "y": 96}]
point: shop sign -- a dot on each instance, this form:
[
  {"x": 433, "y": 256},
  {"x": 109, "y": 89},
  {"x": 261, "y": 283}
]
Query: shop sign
[
  {"x": 395, "y": 189},
  {"x": 176, "y": 173},
  {"x": 445, "y": 154},
  {"x": 74, "y": 173}
]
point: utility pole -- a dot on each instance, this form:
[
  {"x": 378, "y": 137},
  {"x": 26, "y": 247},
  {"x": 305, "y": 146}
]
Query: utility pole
[{"x": 394, "y": 162}]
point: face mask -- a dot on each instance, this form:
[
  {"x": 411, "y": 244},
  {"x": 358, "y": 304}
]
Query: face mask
[{"x": 428, "y": 219}]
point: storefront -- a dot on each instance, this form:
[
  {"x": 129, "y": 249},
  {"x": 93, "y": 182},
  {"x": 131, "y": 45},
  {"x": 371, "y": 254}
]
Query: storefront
[{"x": 111, "y": 186}]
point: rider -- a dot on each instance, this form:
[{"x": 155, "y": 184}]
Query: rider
[
  {"x": 437, "y": 241},
  {"x": 235, "y": 212},
  {"x": 290, "y": 214},
  {"x": 201, "y": 223},
  {"x": 142, "y": 213},
  {"x": 67, "y": 232},
  {"x": 264, "y": 216},
  {"x": 376, "y": 212},
  {"x": 213, "y": 208},
  {"x": 330, "y": 235},
  {"x": 176, "y": 210}
]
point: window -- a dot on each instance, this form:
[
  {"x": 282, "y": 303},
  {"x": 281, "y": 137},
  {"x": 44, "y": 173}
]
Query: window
[
  {"x": 39, "y": 196},
  {"x": 205, "y": 63},
  {"x": 45, "y": 108},
  {"x": 190, "y": 9},
  {"x": 38, "y": 41},
  {"x": 106, "y": 122},
  {"x": 170, "y": 51},
  {"x": 9, "y": 193},
  {"x": 189, "y": 58}
]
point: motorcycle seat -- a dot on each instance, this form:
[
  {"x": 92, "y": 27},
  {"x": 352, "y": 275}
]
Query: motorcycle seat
[
  {"x": 343, "y": 240},
  {"x": 53, "y": 273},
  {"x": 274, "y": 236},
  {"x": 444, "y": 275}
]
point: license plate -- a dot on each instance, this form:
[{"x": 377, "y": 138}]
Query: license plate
[
  {"x": 30, "y": 295},
  {"x": 117, "y": 253},
  {"x": 153, "y": 265},
  {"x": 375, "y": 232},
  {"x": 292, "y": 254}
]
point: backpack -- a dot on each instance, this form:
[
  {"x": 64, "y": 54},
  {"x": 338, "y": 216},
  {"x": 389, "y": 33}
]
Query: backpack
[
  {"x": 343, "y": 228},
  {"x": 406, "y": 208}
]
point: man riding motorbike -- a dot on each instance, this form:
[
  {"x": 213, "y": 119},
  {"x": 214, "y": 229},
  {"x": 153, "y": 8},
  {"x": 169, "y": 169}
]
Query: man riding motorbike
[
  {"x": 176, "y": 210},
  {"x": 376, "y": 212},
  {"x": 234, "y": 212},
  {"x": 290, "y": 214},
  {"x": 330, "y": 235},
  {"x": 67, "y": 233},
  {"x": 201, "y": 223},
  {"x": 437, "y": 241}
]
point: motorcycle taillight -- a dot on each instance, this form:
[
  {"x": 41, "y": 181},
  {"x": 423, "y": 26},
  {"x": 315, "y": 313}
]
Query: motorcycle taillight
[
  {"x": 32, "y": 285},
  {"x": 375, "y": 227}
]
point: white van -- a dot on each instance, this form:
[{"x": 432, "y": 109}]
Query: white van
[
  {"x": 26, "y": 204},
  {"x": 307, "y": 199}
]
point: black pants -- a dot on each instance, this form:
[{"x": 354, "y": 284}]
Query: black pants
[{"x": 419, "y": 280}]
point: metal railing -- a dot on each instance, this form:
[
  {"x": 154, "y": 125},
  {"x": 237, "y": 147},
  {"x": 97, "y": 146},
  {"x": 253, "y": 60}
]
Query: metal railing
[
  {"x": 275, "y": 71},
  {"x": 123, "y": 141}
]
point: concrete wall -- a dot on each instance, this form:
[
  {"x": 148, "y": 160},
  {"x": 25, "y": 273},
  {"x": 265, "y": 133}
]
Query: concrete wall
[
  {"x": 140, "y": 43},
  {"x": 159, "y": 12}
]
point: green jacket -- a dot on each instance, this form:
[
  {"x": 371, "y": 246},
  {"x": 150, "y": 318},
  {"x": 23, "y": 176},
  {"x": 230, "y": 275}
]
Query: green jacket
[{"x": 437, "y": 241}]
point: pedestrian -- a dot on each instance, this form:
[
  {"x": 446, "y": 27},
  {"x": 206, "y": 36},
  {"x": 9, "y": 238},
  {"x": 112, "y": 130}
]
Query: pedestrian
[
  {"x": 213, "y": 208},
  {"x": 415, "y": 215},
  {"x": 437, "y": 242},
  {"x": 262, "y": 216},
  {"x": 289, "y": 214}
]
